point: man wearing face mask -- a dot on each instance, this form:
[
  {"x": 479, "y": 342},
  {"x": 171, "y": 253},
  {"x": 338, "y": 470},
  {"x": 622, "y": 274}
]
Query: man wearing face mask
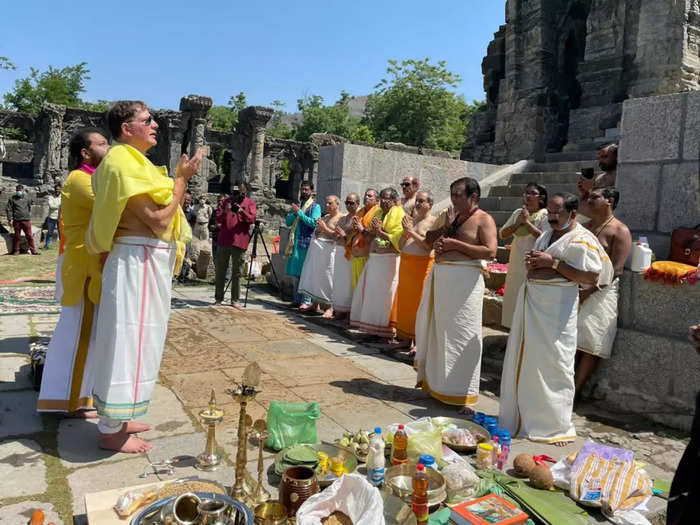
[
  {"x": 537, "y": 385},
  {"x": 19, "y": 214}
]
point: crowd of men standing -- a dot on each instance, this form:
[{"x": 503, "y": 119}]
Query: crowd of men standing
[{"x": 416, "y": 282}]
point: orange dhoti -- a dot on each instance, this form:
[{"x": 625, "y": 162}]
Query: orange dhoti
[{"x": 413, "y": 272}]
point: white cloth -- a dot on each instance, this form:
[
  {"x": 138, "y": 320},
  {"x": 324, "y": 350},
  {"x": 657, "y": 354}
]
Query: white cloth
[
  {"x": 448, "y": 332},
  {"x": 373, "y": 299},
  {"x": 131, "y": 327},
  {"x": 342, "y": 281},
  {"x": 537, "y": 384},
  {"x": 316, "y": 279},
  {"x": 54, "y": 203},
  {"x": 65, "y": 358},
  {"x": 597, "y": 321},
  {"x": 58, "y": 294},
  {"x": 517, "y": 273}
]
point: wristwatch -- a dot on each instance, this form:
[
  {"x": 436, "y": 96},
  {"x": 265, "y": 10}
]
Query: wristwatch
[{"x": 555, "y": 264}]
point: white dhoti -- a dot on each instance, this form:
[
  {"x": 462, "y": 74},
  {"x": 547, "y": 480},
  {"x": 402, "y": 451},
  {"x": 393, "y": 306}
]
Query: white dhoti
[
  {"x": 67, "y": 380},
  {"x": 448, "y": 332},
  {"x": 131, "y": 327},
  {"x": 58, "y": 294},
  {"x": 342, "y": 281},
  {"x": 316, "y": 278},
  {"x": 537, "y": 384},
  {"x": 597, "y": 321},
  {"x": 373, "y": 300}
]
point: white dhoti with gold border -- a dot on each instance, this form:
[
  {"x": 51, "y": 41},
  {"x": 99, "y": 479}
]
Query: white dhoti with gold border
[
  {"x": 373, "y": 300},
  {"x": 316, "y": 278},
  {"x": 597, "y": 321},
  {"x": 67, "y": 379},
  {"x": 448, "y": 332},
  {"x": 342, "y": 281},
  {"x": 131, "y": 327}
]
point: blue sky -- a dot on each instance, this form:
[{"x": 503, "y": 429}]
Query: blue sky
[{"x": 158, "y": 50}]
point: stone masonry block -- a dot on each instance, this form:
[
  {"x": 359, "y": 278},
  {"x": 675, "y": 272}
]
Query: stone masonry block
[
  {"x": 680, "y": 196},
  {"x": 662, "y": 309},
  {"x": 628, "y": 382},
  {"x": 650, "y": 128},
  {"x": 691, "y": 134},
  {"x": 638, "y": 185}
]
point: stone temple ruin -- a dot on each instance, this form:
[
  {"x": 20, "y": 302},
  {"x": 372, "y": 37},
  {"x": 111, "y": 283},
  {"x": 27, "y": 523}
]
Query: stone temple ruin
[{"x": 561, "y": 77}]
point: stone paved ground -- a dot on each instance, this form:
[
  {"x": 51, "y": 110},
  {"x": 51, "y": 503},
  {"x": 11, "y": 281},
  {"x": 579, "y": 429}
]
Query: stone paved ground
[{"x": 51, "y": 463}]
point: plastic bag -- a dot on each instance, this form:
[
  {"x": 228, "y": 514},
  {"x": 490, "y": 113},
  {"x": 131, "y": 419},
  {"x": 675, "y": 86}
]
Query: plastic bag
[
  {"x": 461, "y": 482},
  {"x": 423, "y": 424},
  {"x": 429, "y": 442},
  {"x": 352, "y": 495},
  {"x": 291, "y": 423}
]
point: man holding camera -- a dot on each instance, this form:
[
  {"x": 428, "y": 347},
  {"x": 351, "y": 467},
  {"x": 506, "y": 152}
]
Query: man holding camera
[{"x": 234, "y": 217}]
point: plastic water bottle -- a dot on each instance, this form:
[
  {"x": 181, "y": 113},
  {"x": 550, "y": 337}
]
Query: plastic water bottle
[
  {"x": 376, "y": 464},
  {"x": 419, "y": 501},
  {"x": 399, "y": 447},
  {"x": 428, "y": 461}
]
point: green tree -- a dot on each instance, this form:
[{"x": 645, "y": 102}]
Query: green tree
[
  {"x": 60, "y": 86},
  {"x": 277, "y": 127},
  {"x": 6, "y": 64},
  {"x": 101, "y": 106},
  {"x": 225, "y": 118},
  {"x": 335, "y": 119},
  {"x": 417, "y": 105}
]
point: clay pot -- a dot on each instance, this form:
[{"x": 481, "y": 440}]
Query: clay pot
[{"x": 298, "y": 484}]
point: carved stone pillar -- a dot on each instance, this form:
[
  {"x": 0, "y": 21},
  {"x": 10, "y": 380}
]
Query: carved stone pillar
[
  {"x": 47, "y": 146},
  {"x": 251, "y": 122},
  {"x": 196, "y": 107}
]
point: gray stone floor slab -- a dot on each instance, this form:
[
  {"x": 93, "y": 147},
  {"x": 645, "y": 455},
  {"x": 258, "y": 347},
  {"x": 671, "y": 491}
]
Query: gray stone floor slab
[
  {"x": 166, "y": 415},
  {"x": 108, "y": 476},
  {"x": 22, "y": 468},
  {"x": 15, "y": 373},
  {"x": 383, "y": 367},
  {"x": 14, "y": 325},
  {"x": 18, "y": 415},
  {"x": 20, "y": 513},
  {"x": 77, "y": 444}
]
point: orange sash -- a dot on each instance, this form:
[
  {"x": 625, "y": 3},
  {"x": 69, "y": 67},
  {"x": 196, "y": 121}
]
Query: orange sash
[{"x": 357, "y": 239}]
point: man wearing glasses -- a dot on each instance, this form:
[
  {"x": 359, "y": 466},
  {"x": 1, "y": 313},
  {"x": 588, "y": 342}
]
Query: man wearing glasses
[
  {"x": 138, "y": 226},
  {"x": 409, "y": 186},
  {"x": 342, "y": 269}
]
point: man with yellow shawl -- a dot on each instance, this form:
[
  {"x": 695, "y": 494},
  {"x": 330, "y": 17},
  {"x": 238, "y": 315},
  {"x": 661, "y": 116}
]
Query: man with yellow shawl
[
  {"x": 357, "y": 244},
  {"x": 137, "y": 218},
  {"x": 66, "y": 383},
  {"x": 372, "y": 302},
  {"x": 448, "y": 323},
  {"x": 302, "y": 223}
]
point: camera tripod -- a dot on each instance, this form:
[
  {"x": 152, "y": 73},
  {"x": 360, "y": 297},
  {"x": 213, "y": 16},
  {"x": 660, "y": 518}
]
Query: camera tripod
[{"x": 256, "y": 234}]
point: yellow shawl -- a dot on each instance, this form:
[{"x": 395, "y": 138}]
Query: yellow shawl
[
  {"x": 122, "y": 174},
  {"x": 293, "y": 228},
  {"x": 393, "y": 226}
]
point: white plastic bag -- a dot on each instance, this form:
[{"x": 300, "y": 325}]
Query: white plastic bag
[
  {"x": 352, "y": 495},
  {"x": 253, "y": 269}
]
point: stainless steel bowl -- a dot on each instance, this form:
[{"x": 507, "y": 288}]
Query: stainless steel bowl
[{"x": 399, "y": 479}]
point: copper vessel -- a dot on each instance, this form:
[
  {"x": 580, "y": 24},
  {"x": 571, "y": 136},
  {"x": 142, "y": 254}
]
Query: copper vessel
[{"x": 298, "y": 484}]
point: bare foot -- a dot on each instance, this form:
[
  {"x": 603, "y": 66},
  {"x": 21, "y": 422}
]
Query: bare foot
[
  {"x": 237, "y": 306},
  {"x": 306, "y": 307},
  {"x": 328, "y": 313},
  {"x": 467, "y": 411},
  {"x": 217, "y": 303},
  {"x": 132, "y": 427},
  {"x": 83, "y": 413},
  {"x": 122, "y": 442}
]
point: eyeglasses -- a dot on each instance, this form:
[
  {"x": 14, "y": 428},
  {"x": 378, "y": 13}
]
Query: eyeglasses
[
  {"x": 405, "y": 184},
  {"x": 533, "y": 193},
  {"x": 148, "y": 121},
  {"x": 348, "y": 203}
]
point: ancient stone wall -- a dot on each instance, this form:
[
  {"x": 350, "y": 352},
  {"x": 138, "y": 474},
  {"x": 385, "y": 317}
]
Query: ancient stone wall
[
  {"x": 556, "y": 73},
  {"x": 346, "y": 168}
]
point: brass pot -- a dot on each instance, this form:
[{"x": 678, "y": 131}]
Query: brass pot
[
  {"x": 270, "y": 513},
  {"x": 298, "y": 484}
]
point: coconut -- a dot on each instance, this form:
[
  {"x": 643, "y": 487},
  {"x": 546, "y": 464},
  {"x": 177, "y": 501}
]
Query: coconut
[
  {"x": 541, "y": 477},
  {"x": 523, "y": 464}
]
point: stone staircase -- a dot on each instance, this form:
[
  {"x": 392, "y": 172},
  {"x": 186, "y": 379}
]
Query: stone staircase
[{"x": 555, "y": 176}]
